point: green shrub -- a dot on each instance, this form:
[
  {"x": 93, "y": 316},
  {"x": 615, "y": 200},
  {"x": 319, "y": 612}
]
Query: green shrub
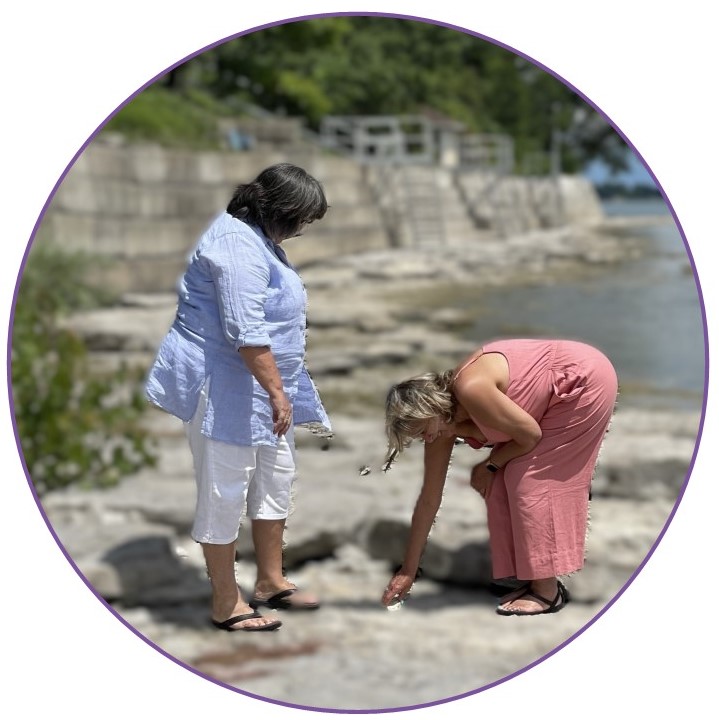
[
  {"x": 75, "y": 427},
  {"x": 171, "y": 119}
]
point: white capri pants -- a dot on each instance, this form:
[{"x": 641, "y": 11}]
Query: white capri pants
[{"x": 234, "y": 478}]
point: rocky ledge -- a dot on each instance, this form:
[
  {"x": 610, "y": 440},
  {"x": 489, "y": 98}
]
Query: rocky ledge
[{"x": 131, "y": 543}]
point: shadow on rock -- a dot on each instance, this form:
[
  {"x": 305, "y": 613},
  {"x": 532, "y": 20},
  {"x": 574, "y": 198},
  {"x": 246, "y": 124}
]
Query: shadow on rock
[
  {"x": 446, "y": 558},
  {"x": 147, "y": 571}
]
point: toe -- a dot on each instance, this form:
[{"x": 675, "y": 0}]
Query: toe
[{"x": 254, "y": 623}]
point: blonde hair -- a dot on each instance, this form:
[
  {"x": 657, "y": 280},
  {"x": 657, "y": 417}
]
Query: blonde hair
[{"x": 414, "y": 401}]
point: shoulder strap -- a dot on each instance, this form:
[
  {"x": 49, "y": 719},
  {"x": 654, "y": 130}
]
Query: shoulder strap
[{"x": 467, "y": 364}]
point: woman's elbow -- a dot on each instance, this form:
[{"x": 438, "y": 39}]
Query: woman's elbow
[{"x": 530, "y": 439}]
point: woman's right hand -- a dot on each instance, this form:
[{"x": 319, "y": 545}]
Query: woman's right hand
[
  {"x": 398, "y": 587},
  {"x": 261, "y": 364},
  {"x": 281, "y": 414}
]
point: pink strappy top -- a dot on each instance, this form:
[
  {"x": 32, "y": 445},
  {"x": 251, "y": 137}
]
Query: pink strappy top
[{"x": 541, "y": 374}]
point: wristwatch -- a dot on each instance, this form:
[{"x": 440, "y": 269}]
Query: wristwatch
[{"x": 491, "y": 466}]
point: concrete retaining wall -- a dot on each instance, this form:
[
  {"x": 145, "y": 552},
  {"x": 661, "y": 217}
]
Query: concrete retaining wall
[{"x": 142, "y": 207}]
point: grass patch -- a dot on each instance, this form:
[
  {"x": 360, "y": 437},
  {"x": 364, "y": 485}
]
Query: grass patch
[{"x": 171, "y": 119}]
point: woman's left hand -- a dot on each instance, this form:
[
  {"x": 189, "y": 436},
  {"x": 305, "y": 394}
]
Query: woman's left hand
[{"x": 481, "y": 480}]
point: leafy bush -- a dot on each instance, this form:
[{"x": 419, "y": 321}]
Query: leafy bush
[{"x": 74, "y": 426}]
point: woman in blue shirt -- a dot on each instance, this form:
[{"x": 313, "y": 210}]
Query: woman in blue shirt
[{"x": 232, "y": 367}]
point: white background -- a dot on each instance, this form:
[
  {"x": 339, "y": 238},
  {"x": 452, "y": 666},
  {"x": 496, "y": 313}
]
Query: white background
[{"x": 67, "y": 66}]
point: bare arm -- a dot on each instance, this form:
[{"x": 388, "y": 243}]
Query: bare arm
[
  {"x": 488, "y": 405},
  {"x": 482, "y": 397},
  {"x": 436, "y": 462},
  {"x": 261, "y": 364}
]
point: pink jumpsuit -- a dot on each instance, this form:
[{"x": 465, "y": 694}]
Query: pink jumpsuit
[{"x": 538, "y": 504}]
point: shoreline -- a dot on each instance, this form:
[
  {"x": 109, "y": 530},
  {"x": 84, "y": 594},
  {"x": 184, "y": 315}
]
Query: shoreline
[
  {"x": 421, "y": 301},
  {"x": 386, "y": 312}
]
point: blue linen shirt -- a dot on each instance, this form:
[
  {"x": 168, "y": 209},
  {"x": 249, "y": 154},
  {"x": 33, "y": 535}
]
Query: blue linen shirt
[{"x": 239, "y": 290}]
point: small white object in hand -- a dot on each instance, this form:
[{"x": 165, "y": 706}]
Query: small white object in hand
[{"x": 396, "y": 604}]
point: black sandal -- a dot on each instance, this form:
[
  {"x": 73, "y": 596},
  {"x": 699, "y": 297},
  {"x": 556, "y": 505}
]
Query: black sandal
[
  {"x": 228, "y": 624},
  {"x": 553, "y": 606},
  {"x": 499, "y": 589},
  {"x": 282, "y": 601}
]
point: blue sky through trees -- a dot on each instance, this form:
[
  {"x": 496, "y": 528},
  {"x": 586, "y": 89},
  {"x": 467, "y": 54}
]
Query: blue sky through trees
[{"x": 636, "y": 173}]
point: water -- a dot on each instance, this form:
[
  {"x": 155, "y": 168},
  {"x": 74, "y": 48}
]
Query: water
[{"x": 645, "y": 314}]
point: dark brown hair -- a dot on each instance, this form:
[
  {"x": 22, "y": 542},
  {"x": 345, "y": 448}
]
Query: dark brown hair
[{"x": 280, "y": 200}]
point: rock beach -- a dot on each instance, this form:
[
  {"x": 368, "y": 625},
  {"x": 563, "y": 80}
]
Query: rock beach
[{"x": 131, "y": 542}]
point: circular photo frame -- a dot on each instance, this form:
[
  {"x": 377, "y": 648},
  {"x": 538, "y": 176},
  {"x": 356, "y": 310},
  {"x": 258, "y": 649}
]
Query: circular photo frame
[{"x": 539, "y": 219}]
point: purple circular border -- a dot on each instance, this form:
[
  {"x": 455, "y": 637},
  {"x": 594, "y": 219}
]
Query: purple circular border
[{"x": 596, "y": 109}]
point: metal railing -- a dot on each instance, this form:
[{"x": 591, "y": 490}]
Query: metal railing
[{"x": 400, "y": 140}]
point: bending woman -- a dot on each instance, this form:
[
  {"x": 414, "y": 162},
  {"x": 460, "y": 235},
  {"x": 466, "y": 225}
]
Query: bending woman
[{"x": 544, "y": 407}]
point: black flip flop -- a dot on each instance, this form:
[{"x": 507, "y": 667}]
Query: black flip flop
[
  {"x": 228, "y": 624},
  {"x": 281, "y": 601},
  {"x": 553, "y": 606}
]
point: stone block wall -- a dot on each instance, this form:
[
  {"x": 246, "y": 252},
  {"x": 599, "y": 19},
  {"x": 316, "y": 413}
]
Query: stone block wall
[{"x": 142, "y": 207}]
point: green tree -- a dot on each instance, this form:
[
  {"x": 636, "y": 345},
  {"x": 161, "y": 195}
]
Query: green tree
[
  {"x": 74, "y": 426},
  {"x": 367, "y": 65},
  {"x": 388, "y": 66}
]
